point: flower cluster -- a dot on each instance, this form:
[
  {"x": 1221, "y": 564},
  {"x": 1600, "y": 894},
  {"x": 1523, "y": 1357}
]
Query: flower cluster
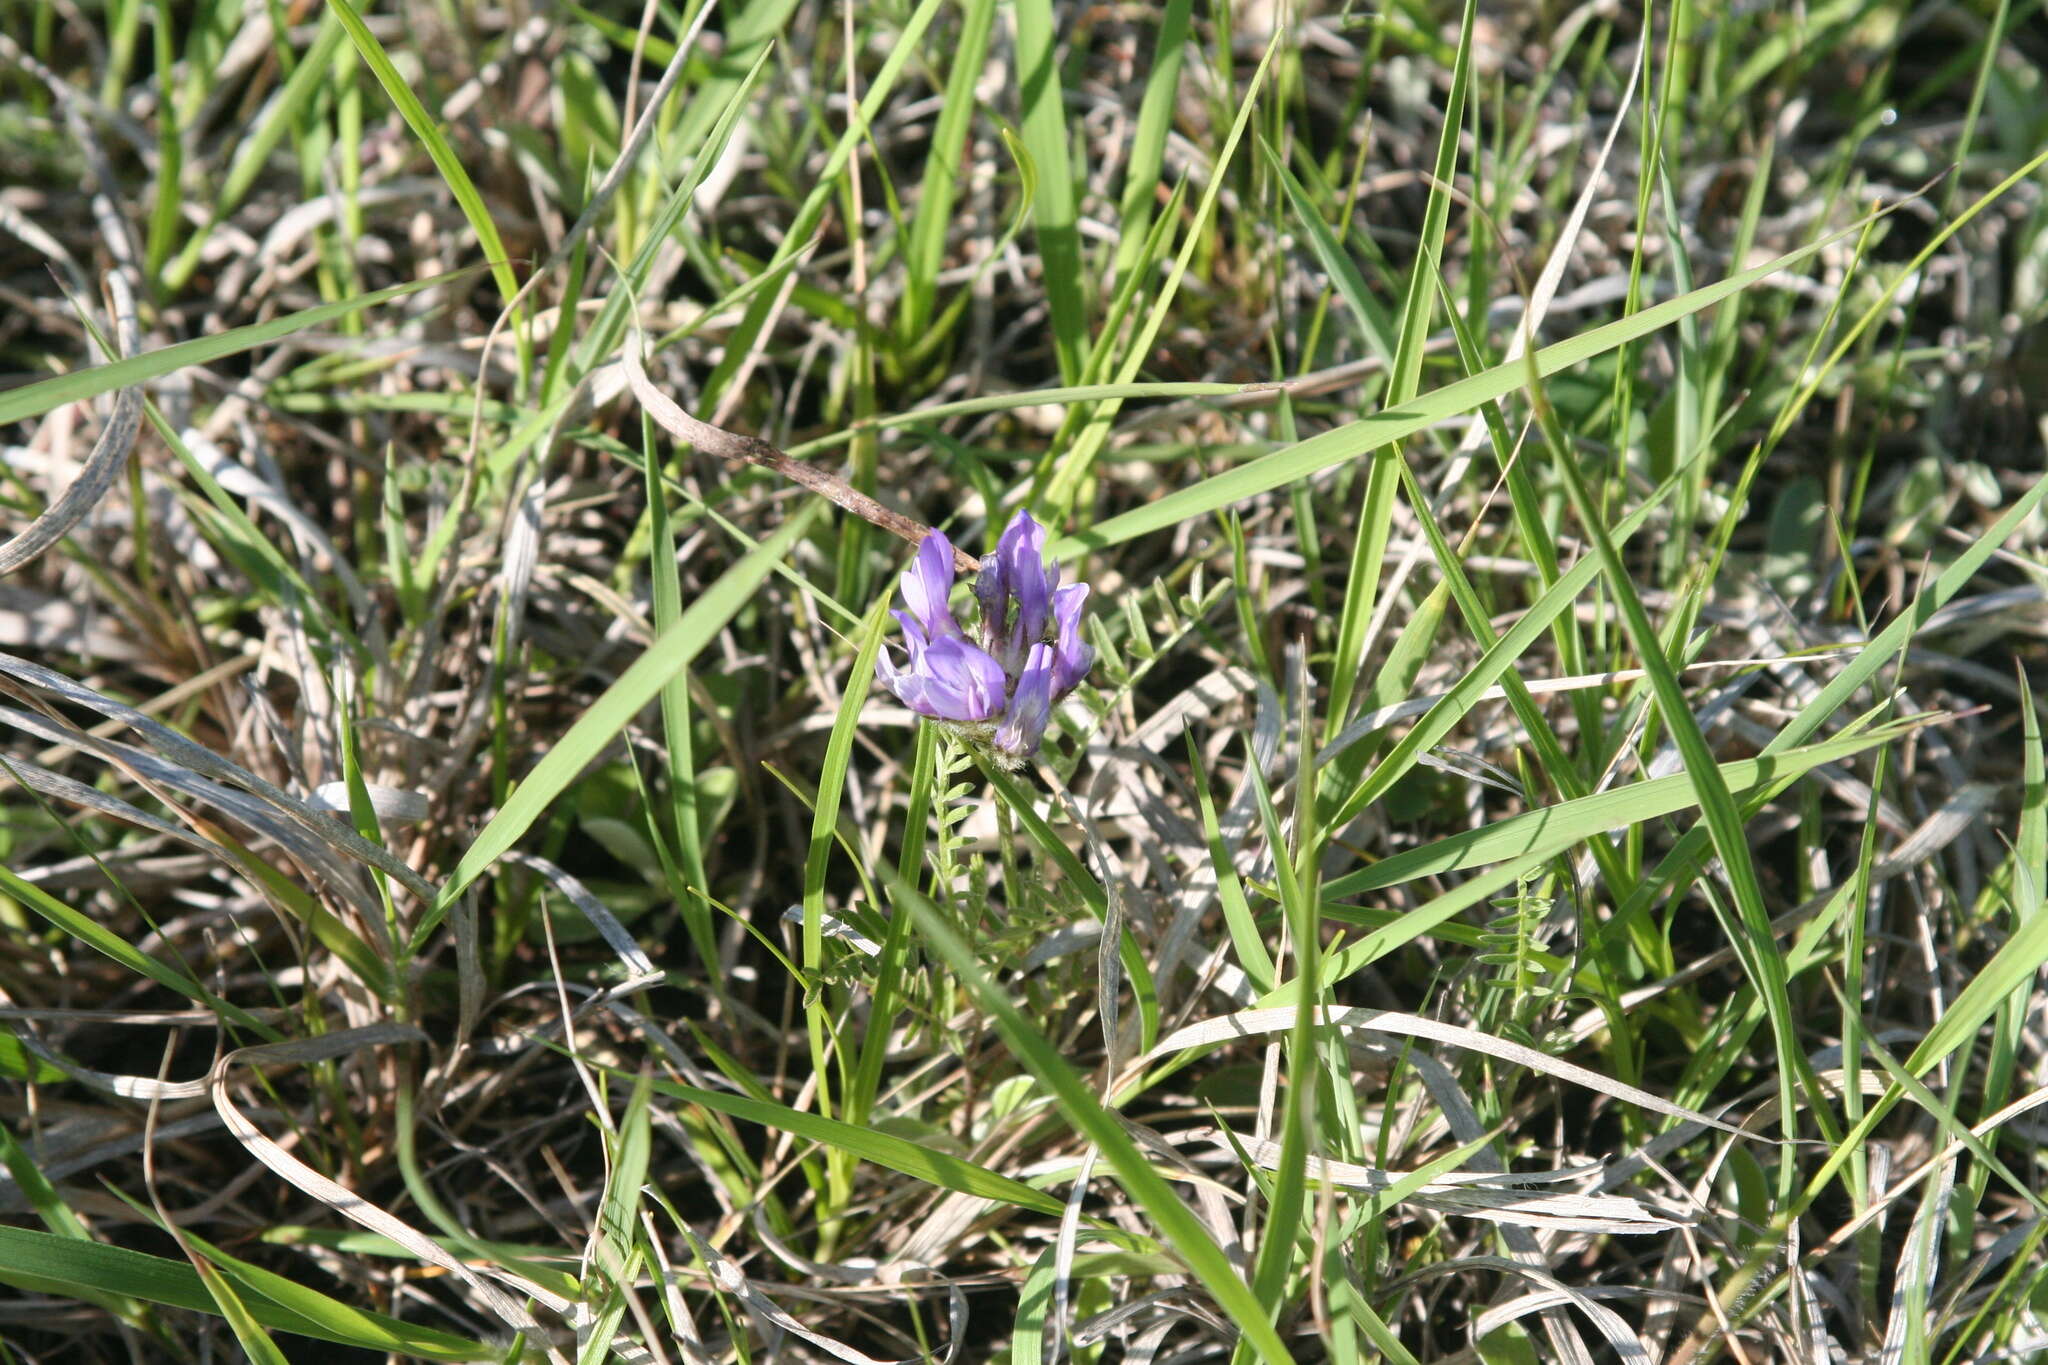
[{"x": 997, "y": 686}]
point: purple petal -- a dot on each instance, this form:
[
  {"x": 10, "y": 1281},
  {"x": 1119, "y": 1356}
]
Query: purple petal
[
  {"x": 1073, "y": 657},
  {"x": 914, "y": 638},
  {"x": 989, "y": 590},
  {"x": 915, "y": 643},
  {"x": 927, "y": 583},
  {"x": 1030, "y": 708},
  {"x": 1021, "y": 552},
  {"x": 961, "y": 682}
]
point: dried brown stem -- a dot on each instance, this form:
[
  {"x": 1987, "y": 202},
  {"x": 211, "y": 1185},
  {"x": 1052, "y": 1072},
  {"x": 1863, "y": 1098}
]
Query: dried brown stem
[{"x": 753, "y": 450}]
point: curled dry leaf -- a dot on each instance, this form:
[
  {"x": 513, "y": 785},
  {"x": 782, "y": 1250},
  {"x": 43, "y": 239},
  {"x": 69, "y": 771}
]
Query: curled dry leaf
[
  {"x": 109, "y": 453},
  {"x": 345, "y": 1201}
]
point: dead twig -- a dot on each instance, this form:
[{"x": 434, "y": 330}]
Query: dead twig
[{"x": 753, "y": 450}]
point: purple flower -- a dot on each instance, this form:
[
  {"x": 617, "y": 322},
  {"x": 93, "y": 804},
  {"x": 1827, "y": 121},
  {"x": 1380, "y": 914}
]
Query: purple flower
[
  {"x": 1030, "y": 706},
  {"x": 1026, "y": 580},
  {"x": 996, "y": 685},
  {"x": 952, "y": 680}
]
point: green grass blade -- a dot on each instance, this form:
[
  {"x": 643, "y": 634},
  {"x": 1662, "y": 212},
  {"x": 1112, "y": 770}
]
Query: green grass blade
[
  {"x": 1075, "y": 462},
  {"x": 44, "y": 1263},
  {"x": 924, "y": 253},
  {"x": 1499, "y": 657},
  {"x": 1177, "y": 1225},
  {"x": 307, "y": 80},
  {"x": 821, "y": 1012},
  {"x": 666, "y": 593},
  {"x": 1757, "y": 947},
  {"x": 1858, "y": 672},
  {"x": 1560, "y": 826},
  {"x": 255, "y": 1342},
  {"x": 1382, "y": 482},
  {"x": 1368, "y": 434},
  {"x": 32, "y": 400},
  {"x": 428, "y": 131},
  {"x": 1537, "y": 846},
  {"x": 1142, "y": 172},
  {"x": 913, "y": 1159},
  {"x": 92, "y": 934},
  {"x": 811, "y": 213},
  {"x": 1055, "y": 214},
  {"x": 637, "y": 686}
]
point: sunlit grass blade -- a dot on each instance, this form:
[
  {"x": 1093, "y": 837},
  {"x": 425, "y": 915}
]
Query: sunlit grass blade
[
  {"x": 1368, "y": 434},
  {"x": 1376, "y": 500},
  {"x": 1465, "y": 693},
  {"x": 31, "y": 400},
  {"x": 1178, "y": 1227},
  {"x": 1533, "y": 845},
  {"x": 1054, "y": 212},
  {"x": 829, "y": 1065},
  {"x": 593, "y": 730},
  {"x": 45, "y": 1263},
  {"x": 305, "y": 84},
  {"x": 798, "y": 237},
  {"x": 924, "y": 252},
  {"x": 869, "y": 1144},
  {"x": 1146, "y": 153},
  {"x": 428, "y": 130},
  {"x": 1759, "y": 949},
  {"x": 1841, "y": 689},
  {"x": 1072, "y": 465},
  {"x": 1568, "y": 822}
]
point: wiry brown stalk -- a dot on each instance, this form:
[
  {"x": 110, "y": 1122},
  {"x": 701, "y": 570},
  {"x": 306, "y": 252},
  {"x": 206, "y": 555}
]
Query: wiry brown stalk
[{"x": 727, "y": 445}]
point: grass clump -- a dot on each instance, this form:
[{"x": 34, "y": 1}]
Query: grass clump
[{"x": 1548, "y": 861}]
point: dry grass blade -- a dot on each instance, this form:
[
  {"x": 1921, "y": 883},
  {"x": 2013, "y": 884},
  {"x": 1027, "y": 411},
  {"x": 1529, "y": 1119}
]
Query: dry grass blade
[
  {"x": 109, "y": 453},
  {"x": 342, "y": 1200},
  {"x": 730, "y": 1279},
  {"x": 1611, "y": 1326},
  {"x": 198, "y": 759},
  {"x": 163, "y": 775},
  {"x": 633, "y": 960},
  {"x": 400, "y": 805},
  {"x": 1490, "y": 1197},
  {"x": 1257, "y": 1023},
  {"x": 63, "y": 788}
]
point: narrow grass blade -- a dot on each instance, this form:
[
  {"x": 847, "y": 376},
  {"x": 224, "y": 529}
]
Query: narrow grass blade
[
  {"x": 1368, "y": 434},
  {"x": 1757, "y": 946},
  {"x": 1858, "y": 672},
  {"x": 1376, "y": 502},
  {"x": 667, "y": 599},
  {"x": 1147, "y": 151},
  {"x": 428, "y": 131},
  {"x": 924, "y": 251},
  {"x": 44, "y": 1263},
  {"x": 870, "y": 1144},
  {"x": 1384, "y": 938},
  {"x": 593, "y": 730},
  {"x": 91, "y": 933},
  {"x": 31, "y": 400},
  {"x": 1570, "y": 822},
  {"x": 1055, "y": 214},
  {"x": 1177, "y": 1225},
  {"x": 306, "y": 82}
]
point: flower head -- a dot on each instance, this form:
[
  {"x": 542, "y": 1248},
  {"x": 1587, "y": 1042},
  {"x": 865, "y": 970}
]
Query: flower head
[{"x": 997, "y": 684}]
